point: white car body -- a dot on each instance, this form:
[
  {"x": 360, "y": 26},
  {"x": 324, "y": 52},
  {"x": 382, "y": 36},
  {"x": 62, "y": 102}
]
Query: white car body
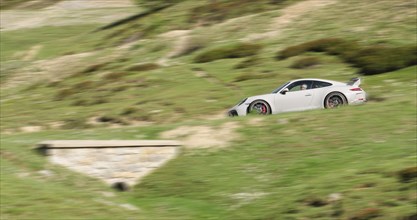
[{"x": 314, "y": 97}]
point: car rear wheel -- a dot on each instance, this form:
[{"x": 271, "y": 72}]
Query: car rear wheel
[
  {"x": 334, "y": 100},
  {"x": 259, "y": 107}
]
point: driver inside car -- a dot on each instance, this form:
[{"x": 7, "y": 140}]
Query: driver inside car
[{"x": 303, "y": 87}]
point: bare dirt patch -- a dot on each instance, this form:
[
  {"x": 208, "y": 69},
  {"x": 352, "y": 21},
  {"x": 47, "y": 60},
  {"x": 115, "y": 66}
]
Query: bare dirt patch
[
  {"x": 47, "y": 70},
  {"x": 92, "y": 4},
  {"x": 32, "y": 52},
  {"x": 256, "y": 121},
  {"x": 180, "y": 39},
  {"x": 31, "y": 129},
  {"x": 289, "y": 15},
  {"x": 73, "y": 12},
  {"x": 204, "y": 136}
]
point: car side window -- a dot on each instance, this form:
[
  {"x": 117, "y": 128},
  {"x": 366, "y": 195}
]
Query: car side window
[
  {"x": 320, "y": 84},
  {"x": 300, "y": 85}
]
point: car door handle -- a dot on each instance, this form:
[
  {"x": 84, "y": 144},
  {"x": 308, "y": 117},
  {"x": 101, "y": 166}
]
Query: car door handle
[{"x": 308, "y": 95}]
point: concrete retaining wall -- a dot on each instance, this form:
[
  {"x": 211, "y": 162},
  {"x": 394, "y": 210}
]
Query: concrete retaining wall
[{"x": 114, "y": 162}]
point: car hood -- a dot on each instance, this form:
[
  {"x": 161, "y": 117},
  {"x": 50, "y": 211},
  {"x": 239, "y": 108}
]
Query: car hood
[{"x": 263, "y": 97}]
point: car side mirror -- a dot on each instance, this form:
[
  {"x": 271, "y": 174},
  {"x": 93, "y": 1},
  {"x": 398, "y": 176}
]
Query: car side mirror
[{"x": 284, "y": 91}]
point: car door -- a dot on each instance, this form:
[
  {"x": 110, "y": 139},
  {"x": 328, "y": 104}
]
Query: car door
[
  {"x": 297, "y": 98},
  {"x": 319, "y": 91}
]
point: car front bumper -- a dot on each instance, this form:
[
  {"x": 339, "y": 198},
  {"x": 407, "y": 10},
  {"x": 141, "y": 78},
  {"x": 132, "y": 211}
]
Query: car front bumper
[{"x": 238, "y": 110}]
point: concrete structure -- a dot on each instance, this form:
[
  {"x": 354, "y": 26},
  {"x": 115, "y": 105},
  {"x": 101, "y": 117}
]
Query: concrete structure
[{"x": 119, "y": 163}]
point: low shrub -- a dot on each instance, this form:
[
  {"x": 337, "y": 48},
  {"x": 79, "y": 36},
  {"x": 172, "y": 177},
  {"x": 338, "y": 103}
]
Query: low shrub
[
  {"x": 143, "y": 67},
  {"x": 369, "y": 59},
  {"x": 114, "y": 75},
  {"x": 250, "y": 62},
  {"x": 366, "y": 214},
  {"x": 249, "y": 76},
  {"x": 74, "y": 89},
  {"x": 75, "y": 123},
  {"x": 236, "y": 50},
  {"x": 64, "y": 93},
  {"x": 409, "y": 217},
  {"x": 407, "y": 174},
  {"x": 291, "y": 51},
  {"x": 245, "y": 76},
  {"x": 111, "y": 119},
  {"x": 305, "y": 62},
  {"x": 315, "y": 202},
  {"x": 334, "y": 46}
]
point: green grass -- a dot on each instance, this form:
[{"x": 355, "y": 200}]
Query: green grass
[
  {"x": 55, "y": 41},
  {"x": 9, "y": 4},
  {"x": 356, "y": 20},
  {"x": 274, "y": 170},
  {"x": 355, "y": 151}
]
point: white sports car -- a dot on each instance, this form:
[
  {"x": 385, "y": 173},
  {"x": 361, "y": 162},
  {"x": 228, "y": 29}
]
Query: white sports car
[{"x": 302, "y": 94}]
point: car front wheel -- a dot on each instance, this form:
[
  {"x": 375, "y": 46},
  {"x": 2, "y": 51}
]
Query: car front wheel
[{"x": 259, "y": 107}]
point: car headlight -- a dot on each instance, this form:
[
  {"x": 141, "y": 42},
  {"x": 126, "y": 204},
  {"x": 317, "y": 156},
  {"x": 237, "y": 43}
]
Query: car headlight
[{"x": 241, "y": 102}]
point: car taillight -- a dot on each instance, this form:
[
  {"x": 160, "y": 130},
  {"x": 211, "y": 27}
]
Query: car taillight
[{"x": 356, "y": 89}]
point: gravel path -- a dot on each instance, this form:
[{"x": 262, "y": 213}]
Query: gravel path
[{"x": 72, "y": 12}]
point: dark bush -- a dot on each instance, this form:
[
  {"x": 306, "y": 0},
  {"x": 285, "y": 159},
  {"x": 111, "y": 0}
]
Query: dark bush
[
  {"x": 237, "y": 50},
  {"x": 94, "y": 67},
  {"x": 305, "y": 62},
  {"x": 143, "y": 67},
  {"x": 291, "y": 51},
  {"x": 315, "y": 201},
  {"x": 323, "y": 45},
  {"x": 370, "y": 60},
  {"x": 379, "y": 59},
  {"x": 128, "y": 111},
  {"x": 85, "y": 85},
  {"x": 407, "y": 174},
  {"x": 156, "y": 3},
  {"x": 111, "y": 119}
]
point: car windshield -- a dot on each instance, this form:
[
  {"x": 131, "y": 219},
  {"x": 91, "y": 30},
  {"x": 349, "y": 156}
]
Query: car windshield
[{"x": 281, "y": 87}]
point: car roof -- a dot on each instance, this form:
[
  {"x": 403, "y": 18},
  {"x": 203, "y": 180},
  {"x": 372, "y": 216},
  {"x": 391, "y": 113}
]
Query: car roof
[{"x": 317, "y": 79}]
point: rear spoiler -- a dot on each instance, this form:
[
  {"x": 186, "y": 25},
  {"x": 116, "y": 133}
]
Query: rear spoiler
[{"x": 354, "y": 82}]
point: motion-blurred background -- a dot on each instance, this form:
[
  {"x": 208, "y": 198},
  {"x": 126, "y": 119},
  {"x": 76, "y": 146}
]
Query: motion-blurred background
[{"x": 160, "y": 69}]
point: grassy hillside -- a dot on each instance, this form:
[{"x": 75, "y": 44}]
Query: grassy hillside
[
  {"x": 281, "y": 167},
  {"x": 146, "y": 77},
  {"x": 7, "y": 4}
]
